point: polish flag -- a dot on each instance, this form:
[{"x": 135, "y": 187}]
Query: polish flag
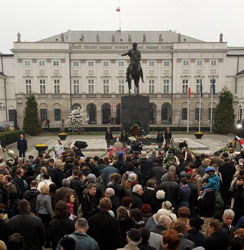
[
  {"x": 189, "y": 93},
  {"x": 118, "y": 9},
  {"x": 240, "y": 141}
]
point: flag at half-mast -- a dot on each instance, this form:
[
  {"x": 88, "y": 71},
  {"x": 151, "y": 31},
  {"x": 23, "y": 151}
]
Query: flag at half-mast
[
  {"x": 189, "y": 93},
  {"x": 201, "y": 88},
  {"x": 213, "y": 86},
  {"x": 118, "y": 9}
]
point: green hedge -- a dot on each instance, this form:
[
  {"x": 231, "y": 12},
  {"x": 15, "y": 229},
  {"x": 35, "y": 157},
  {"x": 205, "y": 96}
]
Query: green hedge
[{"x": 8, "y": 137}]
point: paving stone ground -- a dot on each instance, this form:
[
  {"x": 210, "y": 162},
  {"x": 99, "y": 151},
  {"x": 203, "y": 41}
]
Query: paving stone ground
[{"x": 97, "y": 144}]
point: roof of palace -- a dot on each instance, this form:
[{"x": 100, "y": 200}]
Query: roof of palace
[{"x": 119, "y": 36}]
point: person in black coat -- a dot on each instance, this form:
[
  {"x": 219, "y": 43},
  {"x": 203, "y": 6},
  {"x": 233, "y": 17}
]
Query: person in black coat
[
  {"x": 124, "y": 137},
  {"x": 29, "y": 226},
  {"x": 167, "y": 136},
  {"x": 31, "y": 195},
  {"x": 218, "y": 239},
  {"x": 19, "y": 182},
  {"x": 227, "y": 171},
  {"x": 160, "y": 139},
  {"x": 116, "y": 186},
  {"x": 193, "y": 233},
  {"x": 76, "y": 183},
  {"x": 104, "y": 228},
  {"x": 158, "y": 169},
  {"x": 22, "y": 145},
  {"x": 136, "y": 196},
  {"x": 108, "y": 137},
  {"x": 61, "y": 224},
  {"x": 171, "y": 189}
]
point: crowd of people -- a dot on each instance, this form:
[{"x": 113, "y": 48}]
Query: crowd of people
[{"x": 135, "y": 200}]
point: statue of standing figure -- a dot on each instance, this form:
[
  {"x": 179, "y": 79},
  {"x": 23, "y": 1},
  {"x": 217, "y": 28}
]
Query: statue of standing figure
[
  {"x": 19, "y": 37},
  {"x": 134, "y": 70}
]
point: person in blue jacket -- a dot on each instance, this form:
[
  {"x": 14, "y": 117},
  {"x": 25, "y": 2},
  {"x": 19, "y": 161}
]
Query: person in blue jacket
[{"x": 213, "y": 179}]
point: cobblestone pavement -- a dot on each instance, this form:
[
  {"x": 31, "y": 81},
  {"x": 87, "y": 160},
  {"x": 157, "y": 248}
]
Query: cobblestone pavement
[{"x": 97, "y": 144}]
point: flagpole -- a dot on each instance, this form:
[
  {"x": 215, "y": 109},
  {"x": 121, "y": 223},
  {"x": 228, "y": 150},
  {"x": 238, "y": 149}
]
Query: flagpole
[
  {"x": 188, "y": 109},
  {"x": 119, "y": 17},
  {"x": 188, "y": 114},
  {"x": 200, "y": 105},
  {"x": 211, "y": 115}
]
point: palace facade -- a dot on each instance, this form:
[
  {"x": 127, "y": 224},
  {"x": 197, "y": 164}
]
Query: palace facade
[{"x": 85, "y": 68}]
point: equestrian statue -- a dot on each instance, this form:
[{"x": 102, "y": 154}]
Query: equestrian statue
[{"x": 134, "y": 70}]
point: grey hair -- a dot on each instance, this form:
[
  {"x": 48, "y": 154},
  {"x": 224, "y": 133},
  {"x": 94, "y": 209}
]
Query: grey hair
[
  {"x": 65, "y": 182},
  {"x": 110, "y": 191},
  {"x": 163, "y": 218},
  {"x": 229, "y": 212},
  {"x": 81, "y": 223},
  {"x": 137, "y": 188}
]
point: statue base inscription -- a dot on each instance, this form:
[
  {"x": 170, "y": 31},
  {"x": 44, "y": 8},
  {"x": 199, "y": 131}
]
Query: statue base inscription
[{"x": 135, "y": 108}]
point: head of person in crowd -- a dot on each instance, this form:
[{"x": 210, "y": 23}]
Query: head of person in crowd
[
  {"x": 159, "y": 160},
  {"x": 179, "y": 226},
  {"x": 171, "y": 239},
  {"x": 137, "y": 216},
  {"x": 19, "y": 172},
  {"x": 46, "y": 176},
  {"x": 33, "y": 184},
  {"x": 2, "y": 245},
  {"x": 184, "y": 212},
  {"x": 239, "y": 233},
  {"x": 170, "y": 176},
  {"x": 45, "y": 189},
  {"x": 105, "y": 204},
  {"x": 67, "y": 243},
  {"x": 138, "y": 189},
  {"x": 51, "y": 163},
  {"x": 81, "y": 225},
  {"x": 123, "y": 214},
  {"x": 168, "y": 206},
  {"x": 183, "y": 181},
  {"x": 92, "y": 189},
  {"x": 65, "y": 182},
  {"x": 16, "y": 241},
  {"x": 152, "y": 183},
  {"x": 160, "y": 212},
  {"x": 206, "y": 161},
  {"x": 91, "y": 178},
  {"x": 132, "y": 176},
  {"x": 228, "y": 217},
  {"x": 126, "y": 202},
  {"x": 164, "y": 220},
  {"x": 214, "y": 226},
  {"x": 133, "y": 237},
  {"x": 69, "y": 198},
  {"x": 160, "y": 195},
  {"x": 109, "y": 192},
  {"x": 196, "y": 223},
  {"x": 145, "y": 235},
  {"x": 59, "y": 164},
  {"x": 116, "y": 178},
  {"x": 61, "y": 210},
  {"x": 210, "y": 171},
  {"x": 24, "y": 206},
  {"x": 146, "y": 209}
]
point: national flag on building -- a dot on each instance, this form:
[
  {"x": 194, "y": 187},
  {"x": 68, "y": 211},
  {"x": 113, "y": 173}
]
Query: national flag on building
[
  {"x": 213, "y": 86},
  {"x": 118, "y": 9},
  {"x": 201, "y": 88},
  {"x": 189, "y": 93},
  {"x": 240, "y": 141}
]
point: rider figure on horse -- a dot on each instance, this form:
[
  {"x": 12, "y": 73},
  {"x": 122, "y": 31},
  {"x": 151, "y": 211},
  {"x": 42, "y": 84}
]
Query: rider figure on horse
[{"x": 135, "y": 58}]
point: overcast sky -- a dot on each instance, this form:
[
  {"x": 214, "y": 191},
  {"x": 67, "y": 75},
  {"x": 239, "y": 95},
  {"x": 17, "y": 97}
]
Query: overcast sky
[{"x": 39, "y": 19}]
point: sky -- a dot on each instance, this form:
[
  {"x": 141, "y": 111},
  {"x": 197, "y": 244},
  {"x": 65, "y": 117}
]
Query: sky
[{"x": 39, "y": 19}]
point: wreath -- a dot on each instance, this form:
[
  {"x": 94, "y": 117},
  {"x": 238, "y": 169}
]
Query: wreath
[{"x": 135, "y": 129}]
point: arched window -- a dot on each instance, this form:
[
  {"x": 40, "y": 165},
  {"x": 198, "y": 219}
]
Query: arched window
[
  {"x": 152, "y": 108},
  {"x": 166, "y": 115},
  {"x": 106, "y": 113},
  {"x": 92, "y": 113}
]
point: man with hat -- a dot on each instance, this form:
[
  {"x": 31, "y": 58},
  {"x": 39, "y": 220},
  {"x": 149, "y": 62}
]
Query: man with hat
[{"x": 133, "y": 240}]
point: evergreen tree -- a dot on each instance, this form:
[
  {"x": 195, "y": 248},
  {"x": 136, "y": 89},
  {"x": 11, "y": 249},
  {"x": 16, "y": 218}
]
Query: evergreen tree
[
  {"x": 32, "y": 124},
  {"x": 224, "y": 117}
]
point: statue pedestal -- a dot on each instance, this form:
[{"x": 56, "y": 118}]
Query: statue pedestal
[{"x": 135, "y": 108}]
